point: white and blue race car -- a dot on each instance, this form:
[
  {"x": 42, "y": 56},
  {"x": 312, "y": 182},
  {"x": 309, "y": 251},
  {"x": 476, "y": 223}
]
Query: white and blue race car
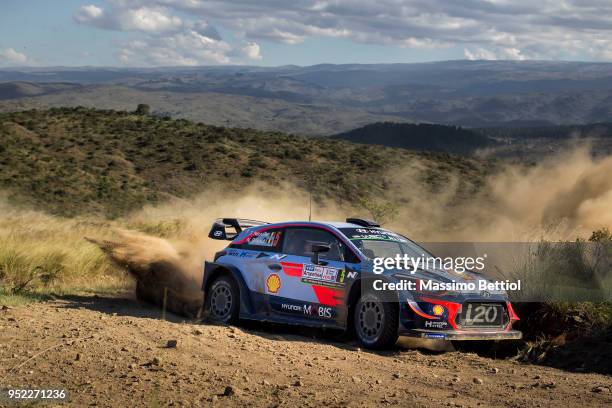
[{"x": 320, "y": 274}]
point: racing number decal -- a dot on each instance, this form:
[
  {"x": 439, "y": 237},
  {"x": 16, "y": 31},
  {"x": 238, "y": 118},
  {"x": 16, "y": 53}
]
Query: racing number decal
[{"x": 482, "y": 314}]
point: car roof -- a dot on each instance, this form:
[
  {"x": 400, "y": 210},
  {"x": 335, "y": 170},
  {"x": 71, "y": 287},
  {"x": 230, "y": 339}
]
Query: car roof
[{"x": 335, "y": 224}]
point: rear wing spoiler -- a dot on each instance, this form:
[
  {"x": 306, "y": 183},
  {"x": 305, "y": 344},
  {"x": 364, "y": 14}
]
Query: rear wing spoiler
[{"x": 221, "y": 228}]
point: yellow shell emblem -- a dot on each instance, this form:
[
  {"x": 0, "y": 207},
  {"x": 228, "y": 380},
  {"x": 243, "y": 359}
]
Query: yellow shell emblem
[
  {"x": 438, "y": 310},
  {"x": 273, "y": 283}
]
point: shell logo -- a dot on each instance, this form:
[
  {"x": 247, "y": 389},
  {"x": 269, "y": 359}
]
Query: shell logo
[
  {"x": 438, "y": 310},
  {"x": 273, "y": 283}
]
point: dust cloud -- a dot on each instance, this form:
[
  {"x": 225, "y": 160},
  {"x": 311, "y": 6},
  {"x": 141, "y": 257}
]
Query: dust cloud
[
  {"x": 562, "y": 197},
  {"x": 171, "y": 268}
]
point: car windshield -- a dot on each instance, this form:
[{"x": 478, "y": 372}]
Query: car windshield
[{"x": 379, "y": 243}]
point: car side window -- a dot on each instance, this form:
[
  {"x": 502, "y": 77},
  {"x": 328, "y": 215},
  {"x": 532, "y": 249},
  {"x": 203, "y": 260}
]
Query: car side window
[
  {"x": 299, "y": 241},
  {"x": 269, "y": 240}
]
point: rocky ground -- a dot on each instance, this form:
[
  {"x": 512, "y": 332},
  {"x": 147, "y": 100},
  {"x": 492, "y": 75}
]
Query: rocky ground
[{"x": 118, "y": 352}]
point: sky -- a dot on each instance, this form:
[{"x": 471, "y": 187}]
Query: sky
[{"x": 150, "y": 33}]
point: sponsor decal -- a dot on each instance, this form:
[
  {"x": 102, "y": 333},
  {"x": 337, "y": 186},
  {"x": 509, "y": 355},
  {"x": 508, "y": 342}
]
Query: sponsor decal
[
  {"x": 322, "y": 275},
  {"x": 365, "y": 234},
  {"x": 435, "y": 325},
  {"x": 323, "y": 312},
  {"x": 351, "y": 275},
  {"x": 278, "y": 256},
  {"x": 434, "y": 335},
  {"x": 291, "y": 308},
  {"x": 273, "y": 283},
  {"x": 265, "y": 239},
  {"x": 218, "y": 233},
  {"x": 438, "y": 310},
  {"x": 241, "y": 254}
]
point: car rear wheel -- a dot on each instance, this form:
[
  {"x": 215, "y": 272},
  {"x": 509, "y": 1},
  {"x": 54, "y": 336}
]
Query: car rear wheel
[
  {"x": 222, "y": 302},
  {"x": 375, "y": 322}
]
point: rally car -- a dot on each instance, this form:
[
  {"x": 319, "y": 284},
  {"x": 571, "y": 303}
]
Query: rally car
[{"x": 320, "y": 274}]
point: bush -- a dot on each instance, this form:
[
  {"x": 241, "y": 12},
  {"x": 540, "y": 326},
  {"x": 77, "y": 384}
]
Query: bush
[{"x": 143, "y": 109}]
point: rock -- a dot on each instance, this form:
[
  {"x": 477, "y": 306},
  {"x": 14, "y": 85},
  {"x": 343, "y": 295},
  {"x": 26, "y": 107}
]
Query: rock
[
  {"x": 132, "y": 366},
  {"x": 265, "y": 382},
  {"x": 477, "y": 380},
  {"x": 156, "y": 361},
  {"x": 495, "y": 370},
  {"x": 537, "y": 377},
  {"x": 378, "y": 382},
  {"x": 77, "y": 357},
  {"x": 397, "y": 375},
  {"x": 601, "y": 390},
  {"x": 298, "y": 383},
  {"x": 356, "y": 379},
  {"x": 171, "y": 343},
  {"x": 198, "y": 332},
  {"x": 229, "y": 391}
]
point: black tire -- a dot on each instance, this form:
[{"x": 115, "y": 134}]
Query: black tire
[
  {"x": 222, "y": 301},
  {"x": 375, "y": 322}
]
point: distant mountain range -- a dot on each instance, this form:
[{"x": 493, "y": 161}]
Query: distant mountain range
[
  {"x": 423, "y": 137},
  {"x": 330, "y": 99},
  {"x": 520, "y": 143}
]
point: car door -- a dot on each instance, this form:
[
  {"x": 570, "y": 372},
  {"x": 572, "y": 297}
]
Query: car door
[
  {"x": 310, "y": 290},
  {"x": 257, "y": 257}
]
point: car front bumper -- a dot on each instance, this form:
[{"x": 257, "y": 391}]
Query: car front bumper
[{"x": 463, "y": 335}]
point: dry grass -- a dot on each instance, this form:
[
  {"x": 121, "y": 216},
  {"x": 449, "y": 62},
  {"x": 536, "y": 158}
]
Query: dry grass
[{"x": 41, "y": 254}]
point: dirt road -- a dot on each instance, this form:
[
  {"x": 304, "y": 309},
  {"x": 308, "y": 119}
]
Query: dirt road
[{"x": 113, "y": 352}]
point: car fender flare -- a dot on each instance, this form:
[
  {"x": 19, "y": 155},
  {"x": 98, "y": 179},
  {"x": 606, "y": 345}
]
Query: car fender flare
[
  {"x": 214, "y": 269},
  {"x": 354, "y": 292}
]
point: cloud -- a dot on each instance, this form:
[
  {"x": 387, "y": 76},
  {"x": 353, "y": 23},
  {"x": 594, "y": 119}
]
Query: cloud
[
  {"x": 9, "y": 56},
  {"x": 89, "y": 14},
  {"x": 146, "y": 19},
  {"x": 484, "y": 29},
  {"x": 252, "y": 51},
  {"x": 498, "y": 54},
  {"x": 166, "y": 39},
  {"x": 187, "y": 48}
]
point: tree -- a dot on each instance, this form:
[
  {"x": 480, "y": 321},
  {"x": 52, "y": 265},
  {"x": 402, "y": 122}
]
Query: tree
[
  {"x": 381, "y": 211},
  {"x": 143, "y": 109}
]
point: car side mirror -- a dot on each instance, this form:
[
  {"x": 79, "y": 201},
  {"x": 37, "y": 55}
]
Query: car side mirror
[{"x": 317, "y": 249}]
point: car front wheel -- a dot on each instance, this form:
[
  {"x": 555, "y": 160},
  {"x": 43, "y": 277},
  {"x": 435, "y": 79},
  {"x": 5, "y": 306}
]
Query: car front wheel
[
  {"x": 375, "y": 322},
  {"x": 222, "y": 302}
]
